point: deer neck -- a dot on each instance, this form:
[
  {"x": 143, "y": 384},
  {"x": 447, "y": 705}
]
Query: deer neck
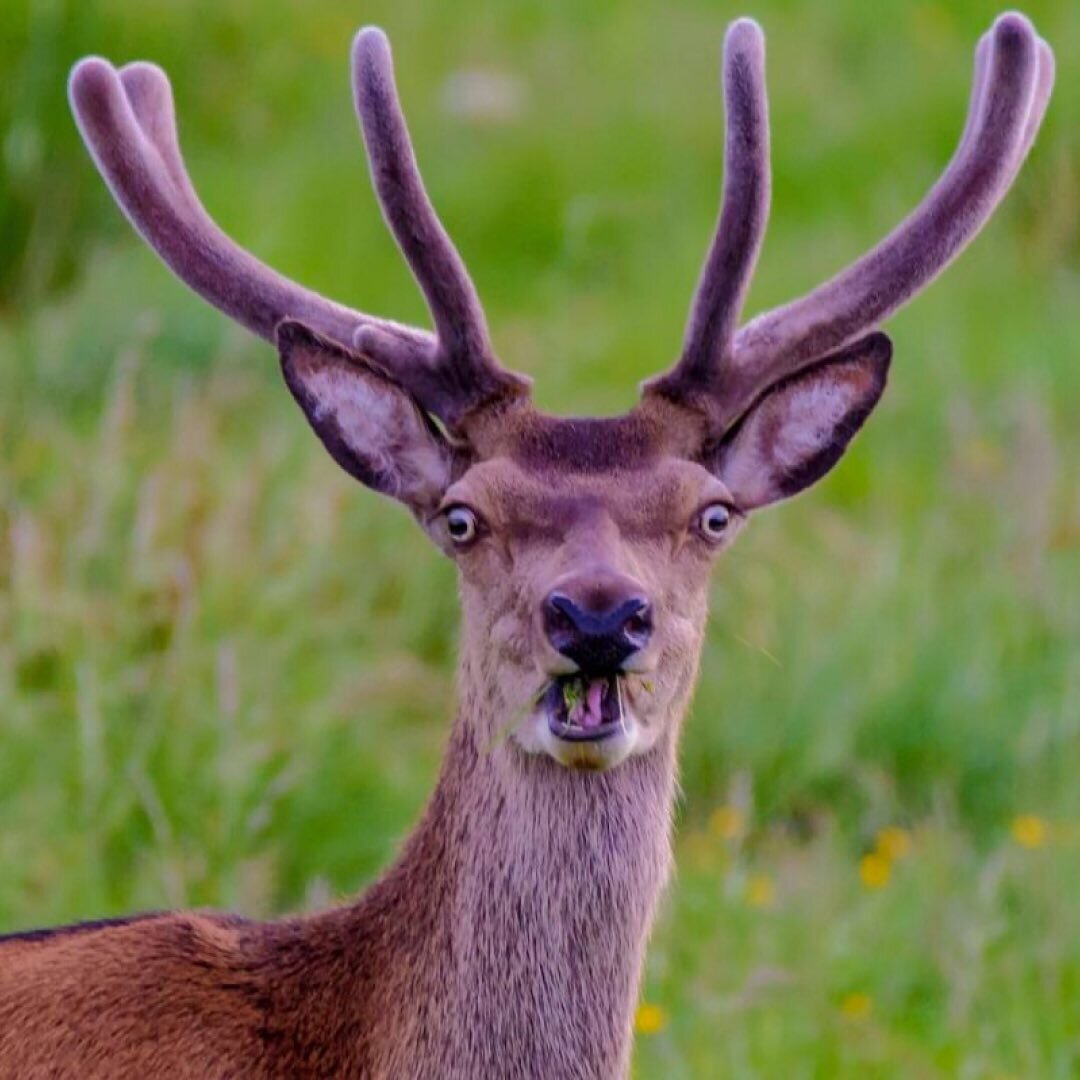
[{"x": 539, "y": 886}]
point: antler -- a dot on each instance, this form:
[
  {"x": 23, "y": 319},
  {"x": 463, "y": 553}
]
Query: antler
[
  {"x": 128, "y": 122},
  {"x": 744, "y": 213},
  {"x": 722, "y": 371}
]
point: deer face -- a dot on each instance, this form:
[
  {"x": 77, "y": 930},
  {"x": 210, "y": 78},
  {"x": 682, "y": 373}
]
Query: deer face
[
  {"x": 585, "y": 587},
  {"x": 584, "y": 546}
]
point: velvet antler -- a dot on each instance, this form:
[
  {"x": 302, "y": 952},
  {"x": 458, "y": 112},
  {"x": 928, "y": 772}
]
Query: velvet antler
[
  {"x": 128, "y": 122},
  {"x": 721, "y": 370},
  {"x": 744, "y": 213}
]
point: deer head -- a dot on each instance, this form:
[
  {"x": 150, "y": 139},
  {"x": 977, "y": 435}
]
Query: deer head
[{"x": 584, "y": 546}]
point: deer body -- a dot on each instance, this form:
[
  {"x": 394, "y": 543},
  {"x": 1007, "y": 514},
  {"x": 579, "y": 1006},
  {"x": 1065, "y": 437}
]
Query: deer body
[{"x": 508, "y": 939}]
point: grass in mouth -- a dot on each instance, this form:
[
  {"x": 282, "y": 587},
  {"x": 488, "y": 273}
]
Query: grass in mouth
[{"x": 573, "y": 693}]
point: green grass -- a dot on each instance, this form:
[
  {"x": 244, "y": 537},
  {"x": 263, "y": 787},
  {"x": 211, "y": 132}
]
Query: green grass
[{"x": 226, "y": 672}]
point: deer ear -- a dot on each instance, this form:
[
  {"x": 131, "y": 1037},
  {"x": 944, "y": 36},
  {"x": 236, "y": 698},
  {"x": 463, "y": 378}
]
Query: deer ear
[
  {"x": 372, "y": 428},
  {"x": 797, "y": 431}
]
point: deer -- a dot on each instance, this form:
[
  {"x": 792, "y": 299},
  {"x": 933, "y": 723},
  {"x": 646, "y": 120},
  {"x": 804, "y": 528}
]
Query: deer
[{"x": 509, "y": 936}]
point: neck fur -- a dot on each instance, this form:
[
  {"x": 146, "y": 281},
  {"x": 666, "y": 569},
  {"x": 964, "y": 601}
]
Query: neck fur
[{"x": 530, "y": 890}]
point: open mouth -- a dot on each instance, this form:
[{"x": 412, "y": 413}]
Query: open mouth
[{"x": 584, "y": 708}]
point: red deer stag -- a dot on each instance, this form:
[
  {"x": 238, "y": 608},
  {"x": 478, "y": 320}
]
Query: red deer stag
[{"x": 508, "y": 938}]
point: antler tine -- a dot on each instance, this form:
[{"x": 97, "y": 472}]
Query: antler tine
[
  {"x": 128, "y": 122},
  {"x": 461, "y": 368},
  {"x": 729, "y": 265},
  {"x": 150, "y": 96},
  {"x": 1044, "y": 86},
  {"x": 983, "y": 51},
  {"x": 1013, "y": 77}
]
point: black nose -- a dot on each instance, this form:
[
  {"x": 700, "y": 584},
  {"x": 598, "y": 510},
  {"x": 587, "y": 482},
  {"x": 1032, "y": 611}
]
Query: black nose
[{"x": 597, "y": 641}]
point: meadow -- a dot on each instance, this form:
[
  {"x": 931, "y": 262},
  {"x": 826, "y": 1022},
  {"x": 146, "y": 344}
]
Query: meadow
[{"x": 226, "y": 671}]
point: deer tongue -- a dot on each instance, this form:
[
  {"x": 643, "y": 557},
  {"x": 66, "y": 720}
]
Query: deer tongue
[
  {"x": 588, "y": 712},
  {"x": 591, "y": 706}
]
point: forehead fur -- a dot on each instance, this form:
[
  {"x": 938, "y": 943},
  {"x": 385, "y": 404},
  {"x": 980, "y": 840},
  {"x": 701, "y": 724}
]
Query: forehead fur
[
  {"x": 586, "y": 445},
  {"x": 533, "y": 501},
  {"x": 539, "y": 472},
  {"x": 637, "y": 440}
]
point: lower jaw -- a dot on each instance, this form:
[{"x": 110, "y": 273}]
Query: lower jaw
[
  {"x": 594, "y": 744},
  {"x": 595, "y": 754}
]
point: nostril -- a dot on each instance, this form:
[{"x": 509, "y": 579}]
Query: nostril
[
  {"x": 639, "y": 622},
  {"x": 559, "y": 622},
  {"x": 561, "y": 607}
]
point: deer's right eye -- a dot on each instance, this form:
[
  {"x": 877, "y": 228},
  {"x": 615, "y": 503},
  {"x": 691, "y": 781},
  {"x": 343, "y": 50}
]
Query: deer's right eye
[
  {"x": 462, "y": 525},
  {"x": 713, "y": 521}
]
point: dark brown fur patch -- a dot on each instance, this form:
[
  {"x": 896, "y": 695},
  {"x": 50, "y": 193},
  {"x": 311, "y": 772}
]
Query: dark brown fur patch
[{"x": 586, "y": 445}]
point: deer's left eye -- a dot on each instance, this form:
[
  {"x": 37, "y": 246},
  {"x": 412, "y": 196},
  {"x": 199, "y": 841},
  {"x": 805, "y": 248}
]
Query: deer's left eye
[
  {"x": 461, "y": 524},
  {"x": 713, "y": 521}
]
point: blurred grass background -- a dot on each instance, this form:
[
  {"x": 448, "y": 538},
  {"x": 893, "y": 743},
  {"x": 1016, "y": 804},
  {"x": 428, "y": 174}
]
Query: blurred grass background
[{"x": 226, "y": 673}]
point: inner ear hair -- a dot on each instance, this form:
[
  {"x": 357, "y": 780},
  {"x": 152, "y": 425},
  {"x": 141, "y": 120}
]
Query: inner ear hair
[
  {"x": 370, "y": 424},
  {"x": 798, "y": 429}
]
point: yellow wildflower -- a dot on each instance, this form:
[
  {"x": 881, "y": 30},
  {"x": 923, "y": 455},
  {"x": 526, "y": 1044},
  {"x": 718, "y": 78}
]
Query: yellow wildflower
[
  {"x": 727, "y": 822},
  {"x": 760, "y": 891},
  {"x": 875, "y": 870},
  {"x": 1029, "y": 830},
  {"x": 893, "y": 842},
  {"x": 856, "y": 1005},
  {"x": 650, "y": 1019}
]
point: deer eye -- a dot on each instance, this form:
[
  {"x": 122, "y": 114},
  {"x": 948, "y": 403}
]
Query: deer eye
[
  {"x": 461, "y": 524},
  {"x": 713, "y": 521}
]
